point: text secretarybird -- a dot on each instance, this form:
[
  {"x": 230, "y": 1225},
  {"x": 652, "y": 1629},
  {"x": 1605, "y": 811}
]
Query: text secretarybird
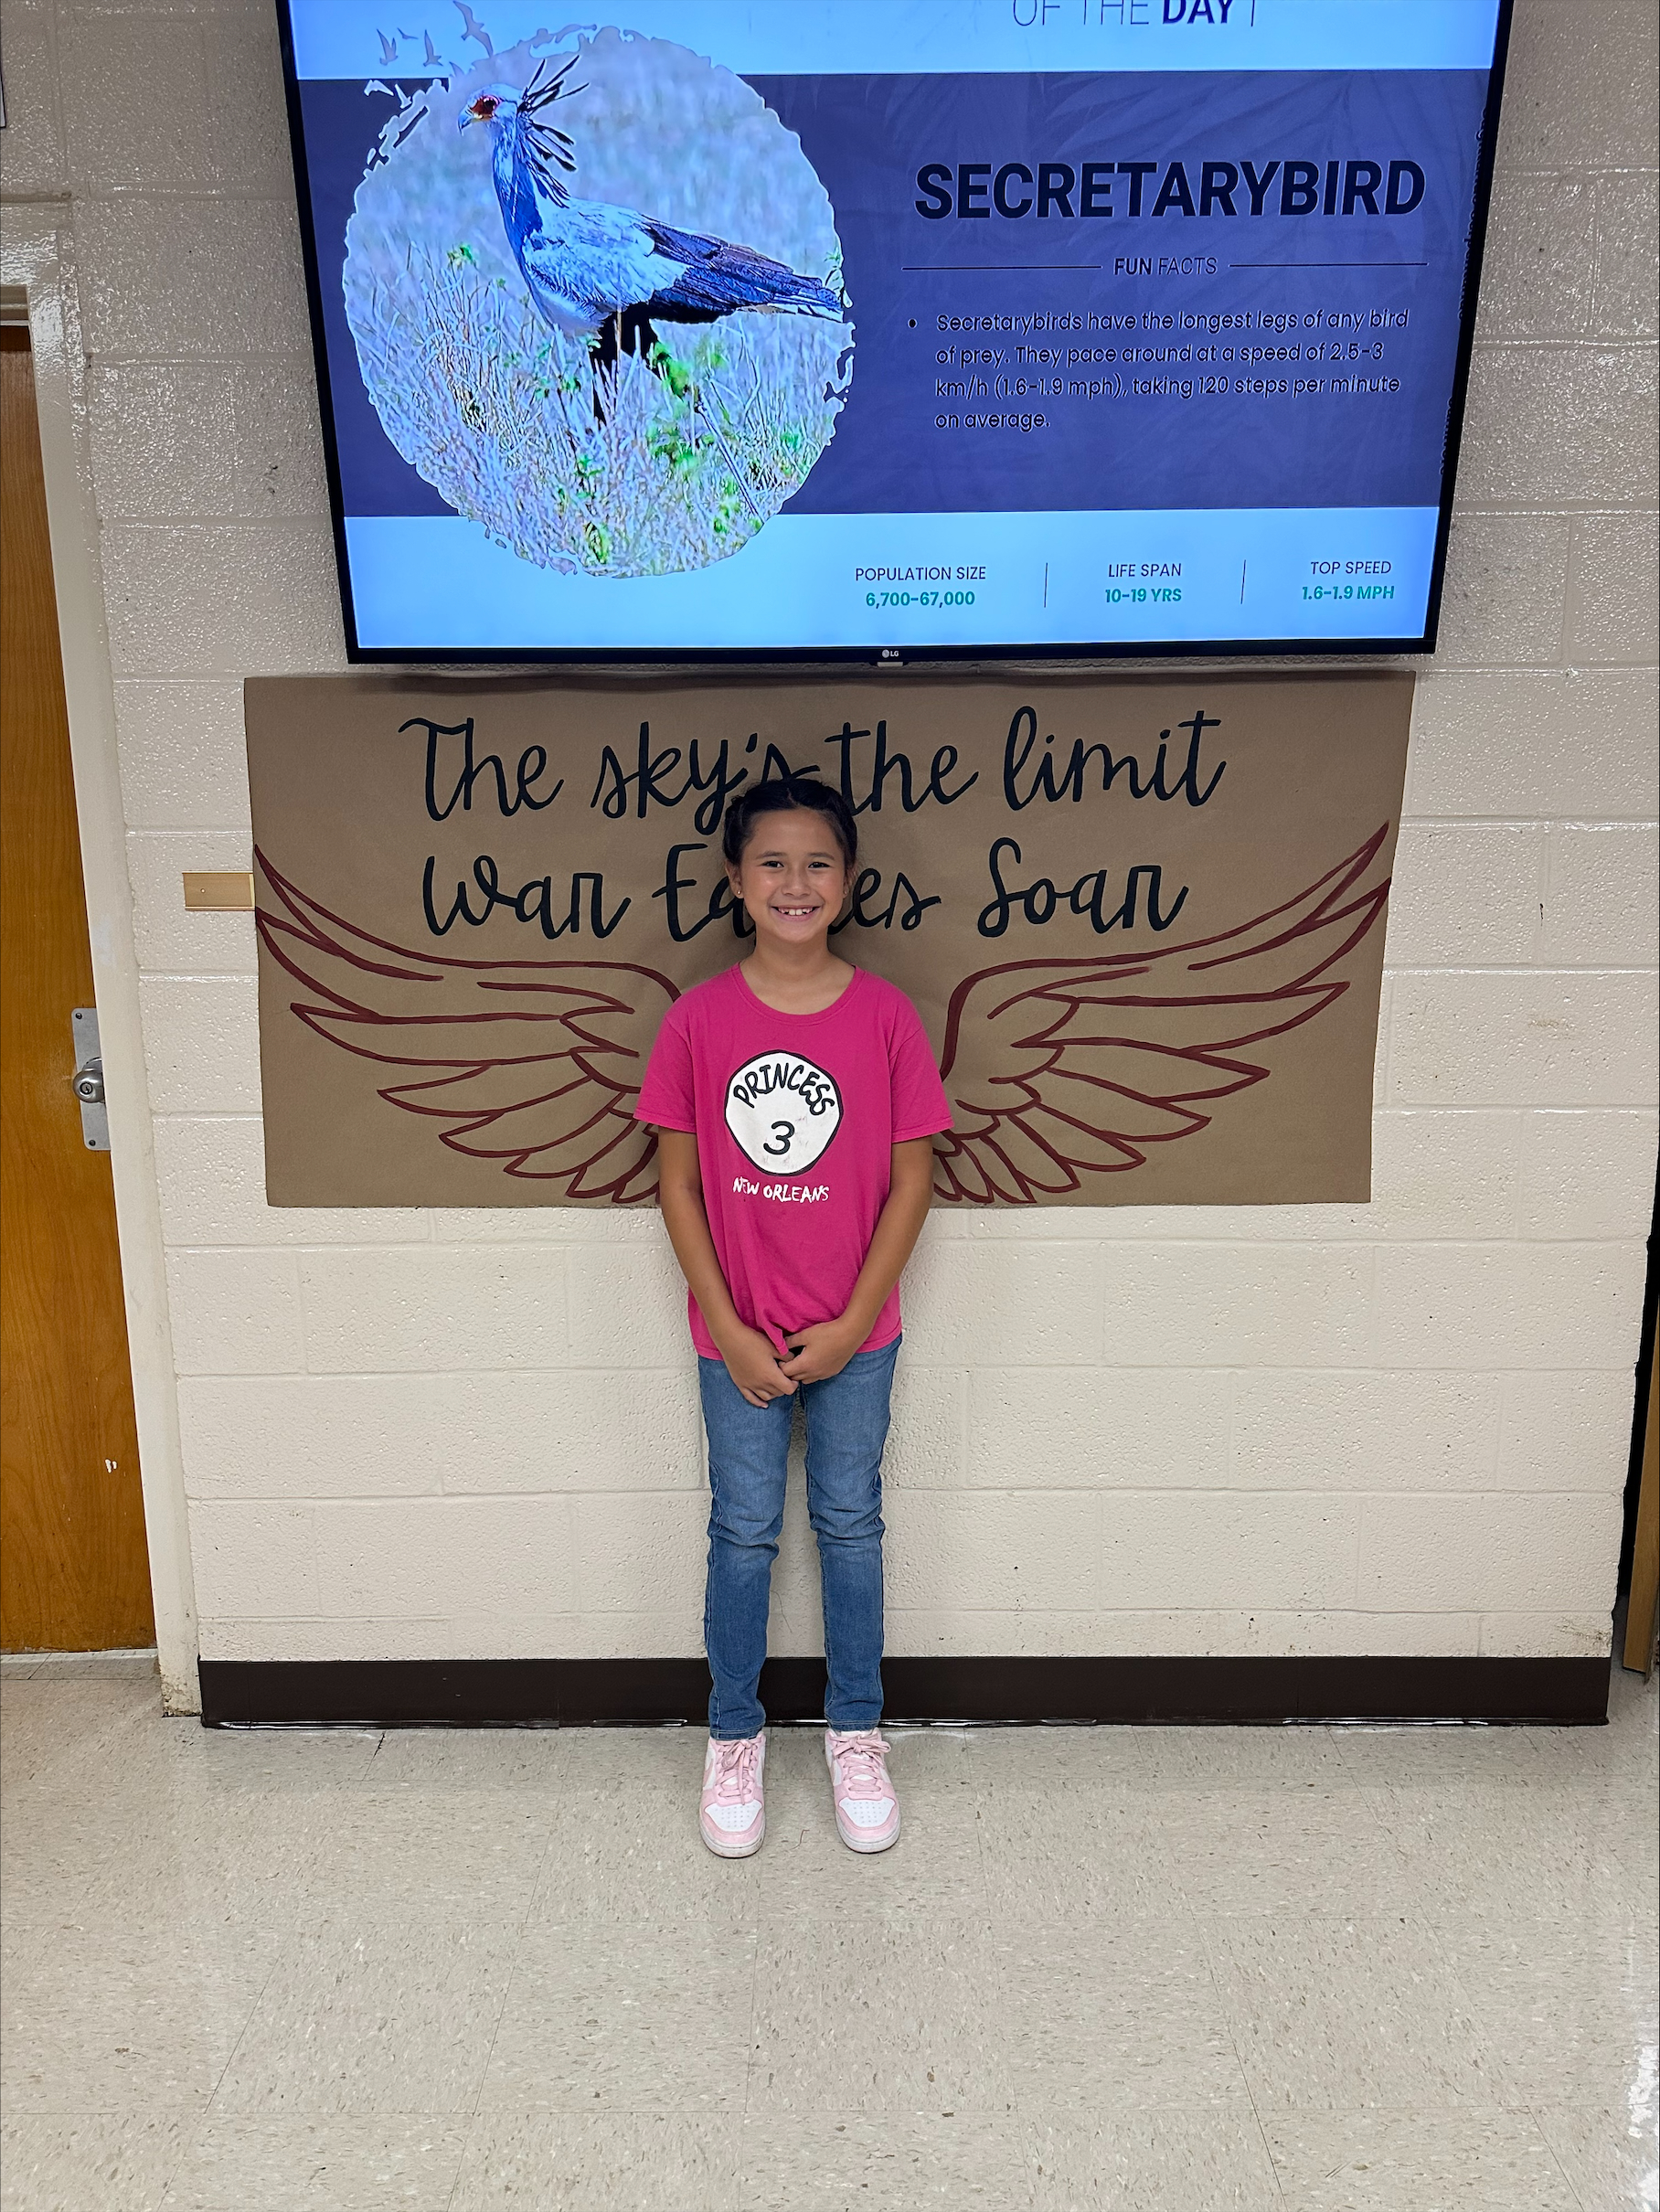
[{"x": 605, "y": 273}]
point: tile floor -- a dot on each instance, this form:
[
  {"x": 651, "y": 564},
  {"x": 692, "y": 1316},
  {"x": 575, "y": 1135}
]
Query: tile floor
[{"x": 1150, "y": 1970}]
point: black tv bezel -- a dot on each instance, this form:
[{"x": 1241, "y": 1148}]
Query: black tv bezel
[{"x": 622, "y": 657}]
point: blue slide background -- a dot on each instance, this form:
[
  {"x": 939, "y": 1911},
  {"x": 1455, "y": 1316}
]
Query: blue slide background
[{"x": 867, "y": 136}]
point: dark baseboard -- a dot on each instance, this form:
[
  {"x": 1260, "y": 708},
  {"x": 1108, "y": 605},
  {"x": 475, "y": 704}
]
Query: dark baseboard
[{"x": 578, "y": 1693}]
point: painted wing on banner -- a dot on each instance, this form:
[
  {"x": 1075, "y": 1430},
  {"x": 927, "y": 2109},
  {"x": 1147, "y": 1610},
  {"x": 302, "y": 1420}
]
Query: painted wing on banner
[
  {"x": 535, "y": 1065},
  {"x": 1061, "y": 1069}
]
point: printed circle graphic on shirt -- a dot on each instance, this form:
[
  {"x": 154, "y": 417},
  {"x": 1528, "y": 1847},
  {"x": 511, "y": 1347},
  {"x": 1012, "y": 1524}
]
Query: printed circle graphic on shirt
[{"x": 782, "y": 1110}]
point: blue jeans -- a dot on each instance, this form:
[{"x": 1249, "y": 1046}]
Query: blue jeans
[{"x": 846, "y": 1427}]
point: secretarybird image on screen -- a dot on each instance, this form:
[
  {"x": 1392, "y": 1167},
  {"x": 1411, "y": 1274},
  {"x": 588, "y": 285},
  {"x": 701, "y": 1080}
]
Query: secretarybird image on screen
[{"x": 605, "y": 272}]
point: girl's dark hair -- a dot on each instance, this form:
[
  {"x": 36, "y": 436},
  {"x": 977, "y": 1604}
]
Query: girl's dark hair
[{"x": 783, "y": 795}]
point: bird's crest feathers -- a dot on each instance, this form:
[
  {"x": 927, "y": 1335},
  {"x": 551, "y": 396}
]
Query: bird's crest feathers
[
  {"x": 546, "y": 145},
  {"x": 542, "y": 146}
]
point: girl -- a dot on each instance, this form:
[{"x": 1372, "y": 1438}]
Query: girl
[{"x": 796, "y": 1096}]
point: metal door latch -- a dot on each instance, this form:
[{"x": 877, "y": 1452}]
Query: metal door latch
[{"x": 88, "y": 1080}]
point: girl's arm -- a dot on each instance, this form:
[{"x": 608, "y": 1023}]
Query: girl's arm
[
  {"x": 827, "y": 1346},
  {"x": 749, "y": 1358}
]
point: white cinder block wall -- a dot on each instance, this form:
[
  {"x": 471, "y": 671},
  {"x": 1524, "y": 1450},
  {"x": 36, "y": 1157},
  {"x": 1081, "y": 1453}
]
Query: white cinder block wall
[{"x": 1399, "y": 1428}]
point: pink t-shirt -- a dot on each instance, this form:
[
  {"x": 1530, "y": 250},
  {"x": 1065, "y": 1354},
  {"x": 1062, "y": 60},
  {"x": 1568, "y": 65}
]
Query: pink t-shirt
[{"x": 796, "y": 1116}]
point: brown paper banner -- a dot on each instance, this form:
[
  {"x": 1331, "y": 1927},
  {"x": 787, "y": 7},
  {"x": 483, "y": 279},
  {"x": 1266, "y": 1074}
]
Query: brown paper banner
[{"x": 1141, "y": 918}]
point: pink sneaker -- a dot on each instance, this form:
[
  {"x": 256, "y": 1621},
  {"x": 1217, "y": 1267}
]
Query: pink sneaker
[
  {"x": 732, "y": 1810},
  {"x": 867, "y": 1806}
]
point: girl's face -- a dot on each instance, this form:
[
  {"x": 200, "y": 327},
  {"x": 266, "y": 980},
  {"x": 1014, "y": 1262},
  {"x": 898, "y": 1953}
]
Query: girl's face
[{"x": 792, "y": 878}]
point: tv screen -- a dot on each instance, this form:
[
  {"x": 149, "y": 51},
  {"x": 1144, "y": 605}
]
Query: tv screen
[{"x": 892, "y": 328}]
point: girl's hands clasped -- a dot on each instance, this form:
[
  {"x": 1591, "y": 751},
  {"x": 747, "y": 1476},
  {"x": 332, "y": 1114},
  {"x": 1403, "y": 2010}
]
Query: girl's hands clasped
[
  {"x": 820, "y": 1350},
  {"x": 753, "y": 1365},
  {"x": 816, "y": 1353}
]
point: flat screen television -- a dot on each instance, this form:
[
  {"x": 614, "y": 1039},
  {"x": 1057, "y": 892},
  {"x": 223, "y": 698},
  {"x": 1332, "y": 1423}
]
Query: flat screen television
[{"x": 884, "y": 329}]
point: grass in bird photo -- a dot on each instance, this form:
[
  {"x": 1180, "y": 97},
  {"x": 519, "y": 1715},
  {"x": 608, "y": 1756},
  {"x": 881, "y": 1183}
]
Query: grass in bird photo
[{"x": 596, "y": 300}]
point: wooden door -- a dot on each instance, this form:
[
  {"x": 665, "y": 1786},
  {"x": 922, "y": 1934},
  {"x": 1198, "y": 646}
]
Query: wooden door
[{"x": 74, "y": 1571}]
